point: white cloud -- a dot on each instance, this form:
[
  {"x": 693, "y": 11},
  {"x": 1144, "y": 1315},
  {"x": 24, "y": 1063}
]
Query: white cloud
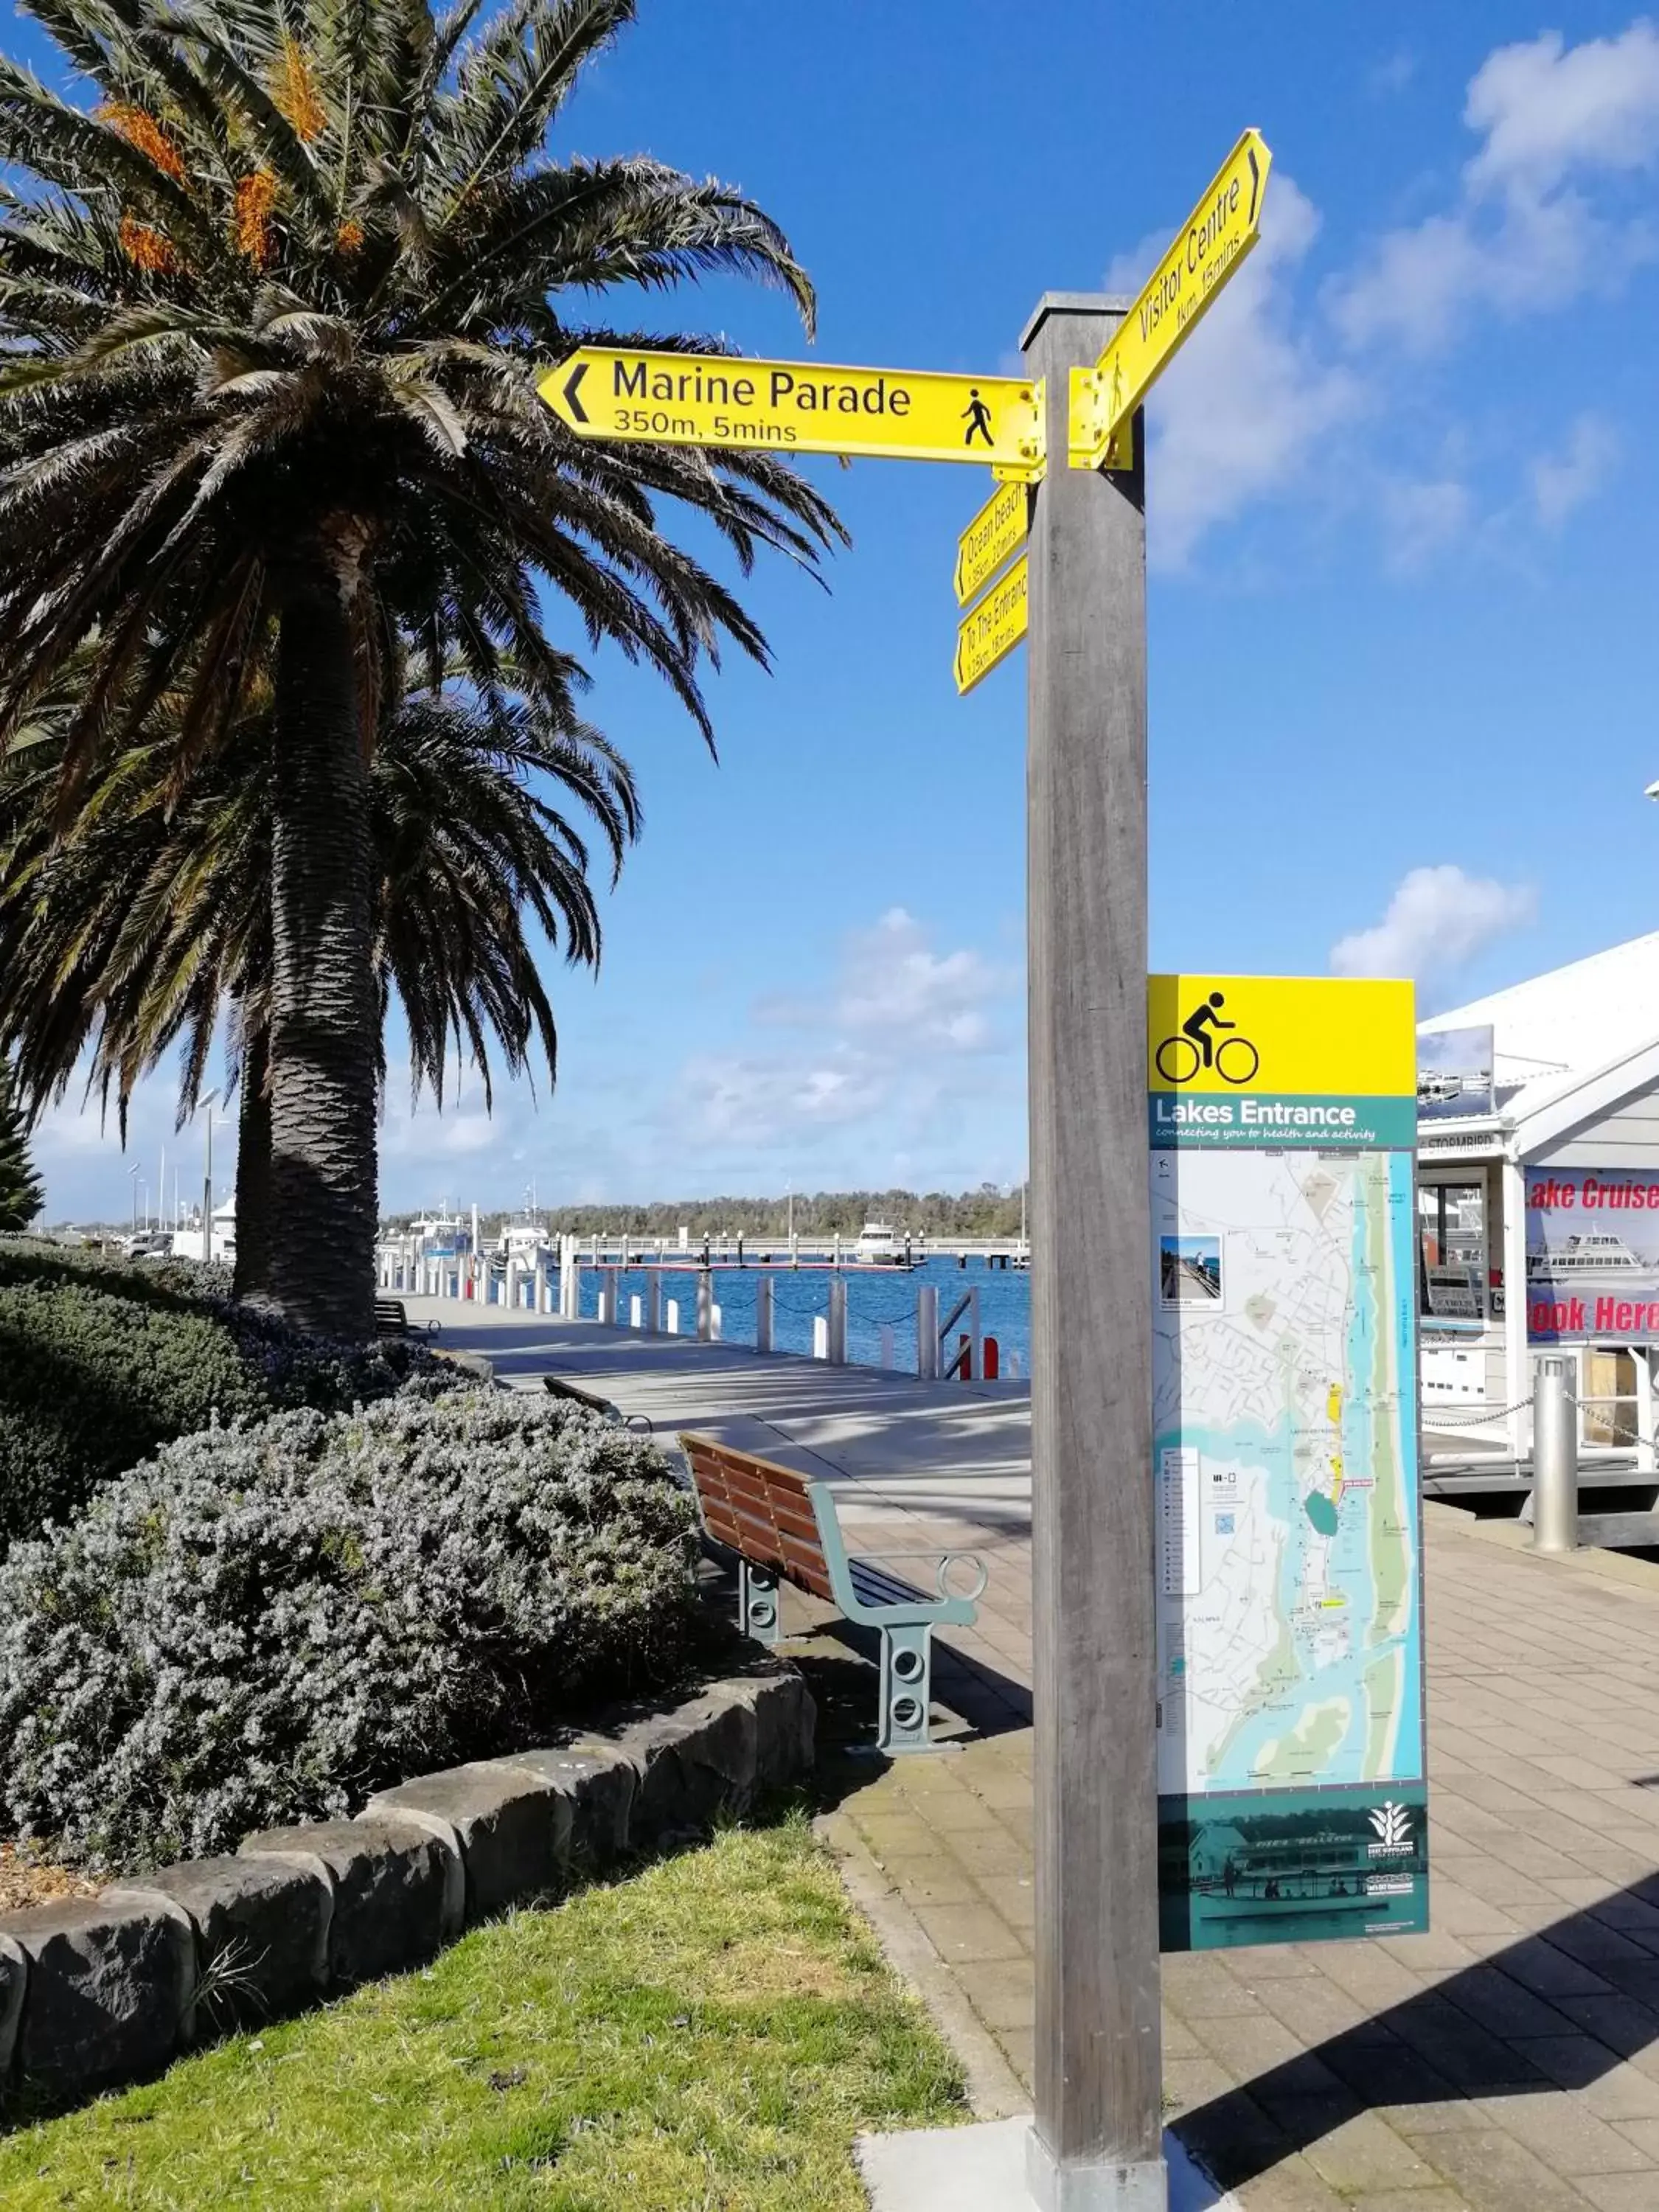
[
  {"x": 1421, "y": 519},
  {"x": 886, "y": 1063},
  {"x": 1248, "y": 400},
  {"x": 1522, "y": 235},
  {"x": 756, "y": 1101},
  {"x": 1393, "y": 75},
  {"x": 1546, "y": 107},
  {"x": 891, "y": 982},
  {"x": 1564, "y": 481},
  {"x": 1438, "y": 919}
]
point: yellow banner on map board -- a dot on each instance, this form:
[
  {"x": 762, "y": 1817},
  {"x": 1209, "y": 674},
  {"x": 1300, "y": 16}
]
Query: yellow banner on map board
[{"x": 1296, "y": 1036}]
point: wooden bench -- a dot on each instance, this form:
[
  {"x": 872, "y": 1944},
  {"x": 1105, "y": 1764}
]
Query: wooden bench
[
  {"x": 557, "y": 1387},
  {"x": 392, "y": 1319},
  {"x": 781, "y": 1524}
]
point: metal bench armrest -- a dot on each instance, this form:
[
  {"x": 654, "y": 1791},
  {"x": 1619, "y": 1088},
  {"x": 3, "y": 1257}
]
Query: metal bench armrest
[
  {"x": 959, "y": 1612},
  {"x": 942, "y": 1562}
]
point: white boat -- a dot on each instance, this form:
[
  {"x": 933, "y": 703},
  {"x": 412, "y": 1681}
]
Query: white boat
[
  {"x": 1599, "y": 1253},
  {"x": 523, "y": 1240},
  {"x": 879, "y": 1246}
]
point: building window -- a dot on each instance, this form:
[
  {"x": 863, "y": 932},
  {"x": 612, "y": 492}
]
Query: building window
[{"x": 1451, "y": 1244}]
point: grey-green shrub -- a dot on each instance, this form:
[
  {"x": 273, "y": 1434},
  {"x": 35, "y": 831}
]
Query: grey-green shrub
[
  {"x": 103, "y": 1360},
  {"x": 91, "y": 1382},
  {"x": 266, "y": 1624}
]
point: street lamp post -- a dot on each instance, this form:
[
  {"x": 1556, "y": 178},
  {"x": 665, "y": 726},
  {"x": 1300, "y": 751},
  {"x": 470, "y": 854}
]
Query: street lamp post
[{"x": 209, "y": 1102}]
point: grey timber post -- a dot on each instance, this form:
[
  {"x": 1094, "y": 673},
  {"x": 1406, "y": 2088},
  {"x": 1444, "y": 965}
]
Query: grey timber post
[{"x": 1096, "y": 2142}]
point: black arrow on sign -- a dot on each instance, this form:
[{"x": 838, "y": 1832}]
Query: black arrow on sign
[
  {"x": 580, "y": 370},
  {"x": 1256, "y": 183}
]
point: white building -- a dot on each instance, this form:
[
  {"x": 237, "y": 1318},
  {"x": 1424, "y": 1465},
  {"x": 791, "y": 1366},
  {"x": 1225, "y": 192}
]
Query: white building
[
  {"x": 187, "y": 1243},
  {"x": 1538, "y": 1211}
]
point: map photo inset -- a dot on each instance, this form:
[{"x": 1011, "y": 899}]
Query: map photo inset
[{"x": 1189, "y": 1267}]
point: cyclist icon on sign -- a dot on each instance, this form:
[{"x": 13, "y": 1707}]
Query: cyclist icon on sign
[
  {"x": 978, "y": 416},
  {"x": 1204, "y": 1018},
  {"x": 1180, "y": 1059}
]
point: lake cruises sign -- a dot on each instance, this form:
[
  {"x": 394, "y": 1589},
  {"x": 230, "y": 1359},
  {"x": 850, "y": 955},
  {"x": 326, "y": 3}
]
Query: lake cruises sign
[
  {"x": 1290, "y": 1774},
  {"x": 1592, "y": 1255}
]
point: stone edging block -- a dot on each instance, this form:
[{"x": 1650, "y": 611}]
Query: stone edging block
[
  {"x": 399, "y": 1890},
  {"x": 109, "y": 1991},
  {"x": 94, "y": 1991}
]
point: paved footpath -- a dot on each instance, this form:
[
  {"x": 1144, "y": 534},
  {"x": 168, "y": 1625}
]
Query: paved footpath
[{"x": 1508, "y": 2062}]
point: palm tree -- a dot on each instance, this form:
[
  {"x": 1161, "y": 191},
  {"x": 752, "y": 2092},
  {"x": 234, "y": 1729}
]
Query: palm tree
[
  {"x": 139, "y": 924},
  {"x": 272, "y": 323},
  {"x": 21, "y": 1192}
]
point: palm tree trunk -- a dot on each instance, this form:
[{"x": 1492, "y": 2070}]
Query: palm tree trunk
[
  {"x": 252, "y": 1278},
  {"x": 324, "y": 1017}
]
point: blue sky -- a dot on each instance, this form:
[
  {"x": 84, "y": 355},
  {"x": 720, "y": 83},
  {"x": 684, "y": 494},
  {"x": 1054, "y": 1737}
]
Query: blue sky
[{"x": 1402, "y": 522}]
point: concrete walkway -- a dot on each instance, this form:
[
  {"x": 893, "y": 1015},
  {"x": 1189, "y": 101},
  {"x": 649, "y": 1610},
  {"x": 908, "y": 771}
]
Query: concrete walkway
[{"x": 1508, "y": 2062}]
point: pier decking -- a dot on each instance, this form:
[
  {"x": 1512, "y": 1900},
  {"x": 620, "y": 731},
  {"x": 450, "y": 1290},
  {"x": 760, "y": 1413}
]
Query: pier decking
[{"x": 1508, "y": 2062}]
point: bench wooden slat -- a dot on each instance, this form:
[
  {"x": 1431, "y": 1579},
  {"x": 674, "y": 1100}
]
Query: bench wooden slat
[{"x": 762, "y": 1511}]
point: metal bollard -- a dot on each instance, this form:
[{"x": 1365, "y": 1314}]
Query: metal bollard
[
  {"x": 837, "y": 1352},
  {"x": 653, "y": 1301},
  {"x": 1554, "y": 1456},
  {"x": 927, "y": 1333},
  {"x": 705, "y": 1306},
  {"x": 764, "y": 1289}
]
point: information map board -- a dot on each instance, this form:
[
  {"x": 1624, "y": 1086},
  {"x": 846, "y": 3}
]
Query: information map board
[{"x": 1292, "y": 1804}]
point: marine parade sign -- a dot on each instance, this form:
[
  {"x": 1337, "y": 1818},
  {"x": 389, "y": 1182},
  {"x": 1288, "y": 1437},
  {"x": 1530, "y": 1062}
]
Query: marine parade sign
[
  {"x": 798, "y": 407},
  {"x": 1291, "y": 1795}
]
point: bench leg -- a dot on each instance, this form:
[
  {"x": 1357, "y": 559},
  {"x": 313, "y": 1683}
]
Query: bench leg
[
  {"x": 757, "y": 1603},
  {"x": 906, "y": 1680}
]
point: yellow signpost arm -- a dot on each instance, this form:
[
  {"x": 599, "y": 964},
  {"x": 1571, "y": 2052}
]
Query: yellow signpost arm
[{"x": 1212, "y": 243}]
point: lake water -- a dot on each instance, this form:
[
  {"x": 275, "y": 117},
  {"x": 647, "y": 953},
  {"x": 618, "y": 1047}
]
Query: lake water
[{"x": 875, "y": 1297}]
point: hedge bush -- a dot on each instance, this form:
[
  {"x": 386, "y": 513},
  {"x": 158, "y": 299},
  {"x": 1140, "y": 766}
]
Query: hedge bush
[
  {"x": 102, "y": 1361},
  {"x": 91, "y": 1382},
  {"x": 267, "y": 1623}
]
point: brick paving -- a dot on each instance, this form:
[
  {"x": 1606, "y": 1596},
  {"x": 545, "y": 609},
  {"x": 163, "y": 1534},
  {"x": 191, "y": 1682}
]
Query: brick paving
[{"x": 1506, "y": 2061}]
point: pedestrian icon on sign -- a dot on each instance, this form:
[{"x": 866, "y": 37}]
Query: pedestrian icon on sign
[{"x": 978, "y": 417}]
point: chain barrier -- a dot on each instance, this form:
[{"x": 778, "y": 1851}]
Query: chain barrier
[{"x": 1449, "y": 1416}]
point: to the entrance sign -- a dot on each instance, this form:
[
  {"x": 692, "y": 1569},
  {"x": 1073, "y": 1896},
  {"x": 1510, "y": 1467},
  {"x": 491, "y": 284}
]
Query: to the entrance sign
[
  {"x": 1292, "y": 1792},
  {"x": 1216, "y": 237},
  {"x": 991, "y": 631},
  {"x": 997, "y": 529},
  {"x": 798, "y": 407}
]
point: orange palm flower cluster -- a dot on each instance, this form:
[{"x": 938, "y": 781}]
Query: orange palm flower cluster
[
  {"x": 141, "y": 130},
  {"x": 146, "y": 248},
  {"x": 250, "y": 227},
  {"x": 294, "y": 90},
  {"x": 349, "y": 236}
]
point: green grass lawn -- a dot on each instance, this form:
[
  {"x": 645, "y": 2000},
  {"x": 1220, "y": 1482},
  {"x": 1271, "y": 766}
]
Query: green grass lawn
[{"x": 710, "y": 2032}]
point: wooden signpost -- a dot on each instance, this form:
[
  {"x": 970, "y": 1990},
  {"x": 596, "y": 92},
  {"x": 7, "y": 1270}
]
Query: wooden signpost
[{"x": 1078, "y": 594}]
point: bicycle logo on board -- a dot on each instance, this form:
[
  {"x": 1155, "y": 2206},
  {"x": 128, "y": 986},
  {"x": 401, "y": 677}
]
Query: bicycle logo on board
[{"x": 1196, "y": 1046}]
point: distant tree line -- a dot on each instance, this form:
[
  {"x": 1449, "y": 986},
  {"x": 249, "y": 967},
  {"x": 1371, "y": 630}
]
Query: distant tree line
[{"x": 988, "y": 1211}]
